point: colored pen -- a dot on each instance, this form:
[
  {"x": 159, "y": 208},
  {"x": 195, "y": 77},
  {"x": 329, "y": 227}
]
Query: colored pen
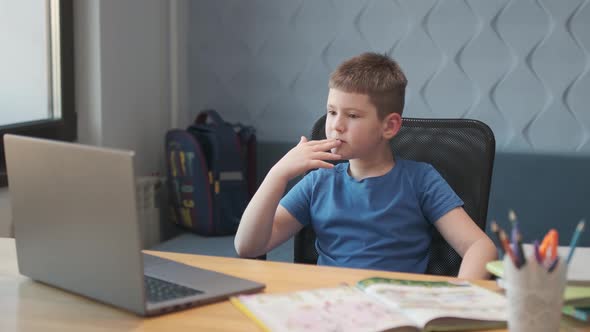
[
  {"x": 521, "y": 256},
  {"x": 514, "y": 247},
  {"x": 553, "y": 264},
  {"x": 575, "y": 238}
]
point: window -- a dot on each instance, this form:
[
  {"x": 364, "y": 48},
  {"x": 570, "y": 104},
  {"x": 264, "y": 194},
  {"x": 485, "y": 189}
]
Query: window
[{"x": 37, "y": 62}]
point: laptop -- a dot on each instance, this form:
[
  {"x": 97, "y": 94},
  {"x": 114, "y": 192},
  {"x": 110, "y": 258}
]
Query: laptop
[{"x": 76, "y": 228}]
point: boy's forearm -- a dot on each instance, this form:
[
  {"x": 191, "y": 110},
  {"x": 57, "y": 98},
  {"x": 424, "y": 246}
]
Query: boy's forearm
[
  {"x": 256, "y": 224},
  {"x": 475, "y": 259}
]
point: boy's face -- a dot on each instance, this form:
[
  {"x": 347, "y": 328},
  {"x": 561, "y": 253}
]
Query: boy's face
[{"x": 353, "y": 119}]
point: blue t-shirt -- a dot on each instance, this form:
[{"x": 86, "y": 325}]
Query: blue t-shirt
[{"x": 382, "y": 223}]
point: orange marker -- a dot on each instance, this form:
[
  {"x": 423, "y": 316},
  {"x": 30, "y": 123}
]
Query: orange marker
[
  {"x": 550, "y": 242},
  {"x": 554, "y": 245}
]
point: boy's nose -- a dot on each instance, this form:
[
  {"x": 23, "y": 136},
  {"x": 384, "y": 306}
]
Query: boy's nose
[{"x": 338, "y": 124}]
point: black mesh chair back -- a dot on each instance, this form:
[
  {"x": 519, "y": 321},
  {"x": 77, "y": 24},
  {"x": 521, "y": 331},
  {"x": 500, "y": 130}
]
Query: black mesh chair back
[{"x": 461, "y": 150}]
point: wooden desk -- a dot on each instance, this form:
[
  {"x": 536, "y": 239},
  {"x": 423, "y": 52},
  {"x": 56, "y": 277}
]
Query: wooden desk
[{"x": 26, "y": 305}]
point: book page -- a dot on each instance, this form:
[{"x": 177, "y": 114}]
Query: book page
[
  {"x": 328, "y": 309},
  {"x": 423, "y": 301}
]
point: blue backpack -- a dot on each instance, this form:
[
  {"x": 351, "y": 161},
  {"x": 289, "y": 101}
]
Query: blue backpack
[{"x": 211, "y": 174}]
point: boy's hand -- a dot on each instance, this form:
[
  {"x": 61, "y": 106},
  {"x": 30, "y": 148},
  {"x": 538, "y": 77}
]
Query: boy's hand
[{"x": 305, "y": 156}]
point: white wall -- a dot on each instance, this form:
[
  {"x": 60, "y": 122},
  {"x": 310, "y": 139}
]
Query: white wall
[
  {"x": 123, "y": 76},
  {"x": 123, "y": 79},
  {"x": 23, "y": 61}
]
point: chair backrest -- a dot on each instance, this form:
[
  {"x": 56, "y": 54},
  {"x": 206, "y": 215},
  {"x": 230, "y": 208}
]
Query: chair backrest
[{"x": 461, "y": 150}]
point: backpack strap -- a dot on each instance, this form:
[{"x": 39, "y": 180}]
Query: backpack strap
[
  {"x": 209, "y": 114},
  {"x": 247, "y": 136},
  {"x": 228, "y": 149}
]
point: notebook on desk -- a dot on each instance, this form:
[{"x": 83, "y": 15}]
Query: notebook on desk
[
  {"x": 578, "y": 272},
  {"x": 576, "y": 297},
  {"x": 76, "y": 228}
]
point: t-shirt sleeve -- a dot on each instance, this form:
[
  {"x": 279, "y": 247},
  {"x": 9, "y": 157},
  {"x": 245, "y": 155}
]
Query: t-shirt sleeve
[
  {"x": 298, "y": 200},
  {"x": 436, "y": 196}
]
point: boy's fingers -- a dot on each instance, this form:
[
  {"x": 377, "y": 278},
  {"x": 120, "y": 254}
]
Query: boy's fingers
[
  {"x": 332, "y": 142},
  {"x": 323, "y": 141},
  {"x": 328, "y": 156},
  {"x": 325, "y": 145},
  {"x": 321, "y": 164},
  {"x": 302, "y": 140}
]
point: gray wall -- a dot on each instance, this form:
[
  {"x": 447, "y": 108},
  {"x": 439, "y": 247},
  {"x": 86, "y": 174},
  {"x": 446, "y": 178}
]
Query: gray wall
[
  {"x": 266, "y": 63},
  {"x": 520, "y": 66}
]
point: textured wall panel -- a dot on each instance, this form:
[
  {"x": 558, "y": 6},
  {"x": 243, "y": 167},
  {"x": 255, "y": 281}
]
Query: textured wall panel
[{"x": 521, "y": 66}]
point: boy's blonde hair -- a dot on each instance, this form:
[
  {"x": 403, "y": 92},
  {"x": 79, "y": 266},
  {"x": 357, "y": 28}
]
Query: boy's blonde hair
[{"x": 376, "y": 75}]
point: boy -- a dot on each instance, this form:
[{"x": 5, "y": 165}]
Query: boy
[{"x": 375, "y": 211}]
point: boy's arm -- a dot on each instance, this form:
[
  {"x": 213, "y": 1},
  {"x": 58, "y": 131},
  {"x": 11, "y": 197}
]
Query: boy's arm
[
  {"x": 463, "y": 234},
  {"x": 265, "y": 224}
]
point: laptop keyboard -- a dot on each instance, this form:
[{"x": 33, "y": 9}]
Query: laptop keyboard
[{"x": 159, "y": 290}]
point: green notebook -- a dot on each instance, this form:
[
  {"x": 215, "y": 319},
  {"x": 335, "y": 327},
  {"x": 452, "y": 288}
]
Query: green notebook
[{"x": 582, "y": 313}]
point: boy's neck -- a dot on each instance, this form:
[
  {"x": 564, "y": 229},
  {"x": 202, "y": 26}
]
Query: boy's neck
[{"x": 380, "y": 164}]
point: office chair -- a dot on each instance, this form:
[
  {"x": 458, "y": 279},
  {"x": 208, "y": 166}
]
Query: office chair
[{"x": 461, "y": 150}]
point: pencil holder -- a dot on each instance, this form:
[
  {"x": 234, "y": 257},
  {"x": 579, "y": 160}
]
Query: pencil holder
[{"x": 535, "y": 295}]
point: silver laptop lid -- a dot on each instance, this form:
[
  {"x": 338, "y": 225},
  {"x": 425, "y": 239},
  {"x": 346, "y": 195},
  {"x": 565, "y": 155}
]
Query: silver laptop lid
[{"x": 75, "y": 216}]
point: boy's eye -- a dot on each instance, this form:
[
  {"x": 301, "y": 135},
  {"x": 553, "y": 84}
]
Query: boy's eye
[
  {"x": 331, "y": 112},
  {"x": 353, "y": 116}
]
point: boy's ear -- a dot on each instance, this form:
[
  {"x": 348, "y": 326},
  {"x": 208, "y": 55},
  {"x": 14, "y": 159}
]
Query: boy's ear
[{"x": 391, "y": 125}]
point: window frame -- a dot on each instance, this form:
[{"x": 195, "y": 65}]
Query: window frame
[{"x": 65, "y": 128}]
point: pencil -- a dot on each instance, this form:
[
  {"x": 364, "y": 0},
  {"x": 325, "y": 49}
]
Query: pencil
[
  {"x": 506, "y": 245},
  {"x": 537, "y": 254},
  {"x": 517, "y": 237},
  {"x": 496, "y": 230},
  {"x": 575, "y": 238}
]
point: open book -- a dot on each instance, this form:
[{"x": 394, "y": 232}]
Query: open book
[{"x": 378, "y": 304}]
